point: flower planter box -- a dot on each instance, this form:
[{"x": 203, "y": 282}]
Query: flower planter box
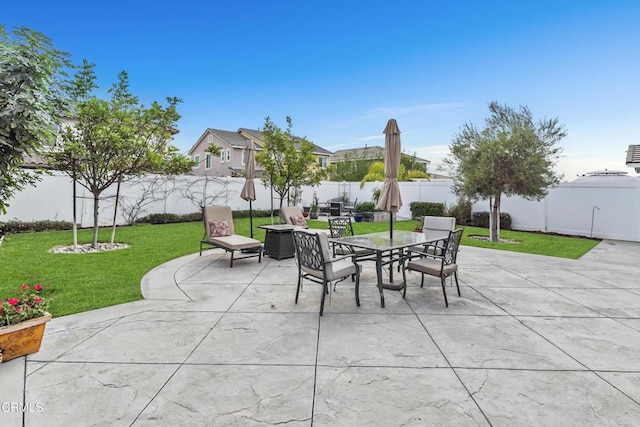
[{"x": 22, "y": 338}]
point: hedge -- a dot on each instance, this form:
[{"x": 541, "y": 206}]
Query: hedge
[
  {"x": 14, "y": 227},
  {"x": 167, "y": 218},
  {"x": 481, "y": 219},
  {"x": 422, "y": 209},
  {"x": 461, "y": 212}
]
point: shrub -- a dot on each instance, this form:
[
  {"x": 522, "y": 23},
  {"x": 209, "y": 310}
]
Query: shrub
[
  {"x": 255, "y": 213},
  {"x": 160, "y": 218},
  {"x": 167, "y": 218},
  {"x": 14, "y": 227},
  {"x": 419, "y": 209},
  {"x": 481, "y": 219},
  {"x": 365, "y": 207},
  {"x": 191, "y": 217},
  {"x": 461, "y": 212}
]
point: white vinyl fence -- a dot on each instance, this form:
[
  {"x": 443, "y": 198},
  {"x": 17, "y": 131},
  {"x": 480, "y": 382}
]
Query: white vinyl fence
[{"x": 603, "y": 210}]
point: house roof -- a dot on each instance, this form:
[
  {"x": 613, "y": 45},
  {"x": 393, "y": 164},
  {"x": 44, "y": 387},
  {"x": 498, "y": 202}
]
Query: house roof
[
  {"x": 232, "y": 138},
  {"x": 33, "y": 161},
  {"x": 633, "y": 157},
  {"x": 236, "y": 139},
  {"x": 260, "y": 136},
  {"x": 366, "y": 153},
  {"x": 605, "y": 175}
]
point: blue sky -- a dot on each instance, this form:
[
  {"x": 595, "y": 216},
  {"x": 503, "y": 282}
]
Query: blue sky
[{"x": 341, "y": 69}]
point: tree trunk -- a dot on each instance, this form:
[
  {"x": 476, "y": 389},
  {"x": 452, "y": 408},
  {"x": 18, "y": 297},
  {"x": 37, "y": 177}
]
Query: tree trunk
[
  {"x": 94, "y": 242},
  {"x": 115, "y": 213},
  {"x": 75, "y": 215},
  {"x": 495, "y": 219}
]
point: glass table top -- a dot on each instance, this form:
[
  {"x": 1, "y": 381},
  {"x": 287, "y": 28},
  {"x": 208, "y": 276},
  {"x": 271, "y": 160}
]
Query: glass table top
[{"x": 382, "y": 242}]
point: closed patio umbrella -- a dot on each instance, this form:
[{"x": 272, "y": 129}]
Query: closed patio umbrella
[
  {"x": 249, "y": 189},
  {"x": 390, "y": 199}
]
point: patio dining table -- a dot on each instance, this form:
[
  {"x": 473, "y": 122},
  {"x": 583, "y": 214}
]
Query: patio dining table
[{"x": 388, "y": 250}]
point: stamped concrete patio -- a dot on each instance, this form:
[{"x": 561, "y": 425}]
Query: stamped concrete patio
[{"x": 532, "y": 341}]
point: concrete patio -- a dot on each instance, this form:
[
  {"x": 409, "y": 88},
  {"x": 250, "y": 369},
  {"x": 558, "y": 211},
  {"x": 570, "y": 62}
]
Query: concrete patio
[{"x": 532, "y": 341}]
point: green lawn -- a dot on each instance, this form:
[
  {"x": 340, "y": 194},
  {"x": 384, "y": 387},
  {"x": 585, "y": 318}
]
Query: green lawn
[{"x": 89, "y": 281}]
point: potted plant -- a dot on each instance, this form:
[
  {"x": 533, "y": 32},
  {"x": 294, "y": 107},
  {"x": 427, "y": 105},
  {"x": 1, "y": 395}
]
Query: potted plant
[
  {"x": 365, "y": 209},
  {"x": 315, "y": 207},
  {"x": 22, "y": 321}
]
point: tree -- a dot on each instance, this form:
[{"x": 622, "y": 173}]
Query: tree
[
  {"x": 288, "y": 161},
  {"x": 512, "y": 155},
  {"x": 108, "y": 141},
  {"x": 355, "y": 165},
  {"x": 32, "y": 93}
]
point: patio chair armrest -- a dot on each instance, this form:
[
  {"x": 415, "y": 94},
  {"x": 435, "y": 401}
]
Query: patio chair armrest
[{"x": 340, "y": 258}]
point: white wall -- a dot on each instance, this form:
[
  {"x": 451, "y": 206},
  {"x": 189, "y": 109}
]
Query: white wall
[{"x": 567, "y": 209}]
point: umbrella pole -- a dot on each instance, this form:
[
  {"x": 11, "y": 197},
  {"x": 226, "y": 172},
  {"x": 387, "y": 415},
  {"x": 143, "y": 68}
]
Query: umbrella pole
[{"x": 250, "y": 219}]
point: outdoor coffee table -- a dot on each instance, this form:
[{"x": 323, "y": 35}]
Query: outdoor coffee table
[{"x": 384, "y": 246}]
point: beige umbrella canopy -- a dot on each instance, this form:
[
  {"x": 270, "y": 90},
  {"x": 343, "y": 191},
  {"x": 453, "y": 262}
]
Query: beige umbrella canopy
[
  {"x": 249, "y": 190},
  {"x": 390, "y": 199}
]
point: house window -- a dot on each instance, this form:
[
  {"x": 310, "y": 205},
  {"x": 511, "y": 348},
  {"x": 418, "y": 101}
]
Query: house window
[
  {"x": 244, "y": 153},
  {"x": 323, "y": 161},
  {"x": 228, "y": 154},
  {"x": 222, "y": 156},
  {"x": 196, "y": 159},
  {"x": 207, "y": 161},
  {"x": 210, "y": 139}
]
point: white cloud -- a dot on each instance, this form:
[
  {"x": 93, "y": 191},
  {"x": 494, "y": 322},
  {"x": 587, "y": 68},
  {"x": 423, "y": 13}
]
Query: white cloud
[
  {"x": 371, "y": 138},
  {"x": 401, "y": 111}
]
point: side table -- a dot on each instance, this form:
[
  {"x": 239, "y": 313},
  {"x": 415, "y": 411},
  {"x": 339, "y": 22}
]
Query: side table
[{"x": 278, "y": 241}]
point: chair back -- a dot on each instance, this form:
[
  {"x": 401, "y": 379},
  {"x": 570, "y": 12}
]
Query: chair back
[
  {"x": 453, "y": 243},
  {"x": 217, "y": 213},
  {"x": 311, "y": 253},
  {"x": 286, "y": 212},
  {"x": 438, "y": 223},
  {"x": 340, "y": 226}
]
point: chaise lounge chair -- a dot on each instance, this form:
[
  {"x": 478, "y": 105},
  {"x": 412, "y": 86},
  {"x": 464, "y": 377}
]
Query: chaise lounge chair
[
  {"x": 292, "y": 215},
  {"x": 220, "y": 233}
]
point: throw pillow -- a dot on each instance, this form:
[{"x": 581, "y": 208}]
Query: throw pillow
[
  {"x": 219, "y": 228},
  {"x": 299, "y": 221}
]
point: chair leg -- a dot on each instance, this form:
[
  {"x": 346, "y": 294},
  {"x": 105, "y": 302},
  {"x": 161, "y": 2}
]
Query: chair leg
[
  {"x": 325, "y": 290},
  {"x": 422, "y": 281},
  {"x": 200, "y": 248},
  {"x": 444, "y": 291},
  {"x": 455, "y": 274},
  {"x": 404, "y": 282},
  {"x": 231, "y": 264},
  {"x": 299, "y": 285},
  {"x": 358, "y": 287},
  {"x": 260, "y": 255}
]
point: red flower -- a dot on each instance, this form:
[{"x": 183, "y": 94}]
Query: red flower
[
  {"x": 37, "y": 300},
  {"x": 18, "y": 309},
  {"x": 25, "y": 286},
  {"x": 12, "y": 301},
  {"x": 38, "y": 288}
]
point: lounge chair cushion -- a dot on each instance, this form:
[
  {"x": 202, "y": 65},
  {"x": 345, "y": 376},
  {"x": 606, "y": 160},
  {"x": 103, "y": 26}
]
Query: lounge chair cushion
[
  {"x": 235, "y": 242},
  {"x": 218, "y": 228},
  {"x": 298, "y": 221}
]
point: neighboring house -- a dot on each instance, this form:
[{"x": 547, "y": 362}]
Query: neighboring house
[
  {"x": 605, "y": 175},
  {"x": 353, "y": 164},
  {"x": 369, "y": 154},
  {"x": 233, "y": 152},
  {"x": 633, "y": 157}
]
